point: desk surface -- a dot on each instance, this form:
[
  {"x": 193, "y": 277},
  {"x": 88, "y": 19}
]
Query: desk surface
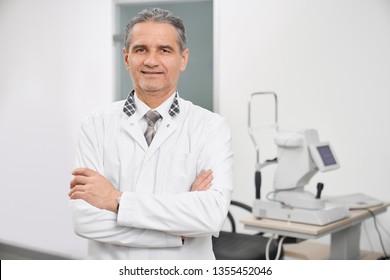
[
  {"x": 307, "y": 231},
  {"x": 309, "y": 250}
]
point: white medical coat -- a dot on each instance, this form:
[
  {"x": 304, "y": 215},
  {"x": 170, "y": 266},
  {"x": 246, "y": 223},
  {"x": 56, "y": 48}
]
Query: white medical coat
[{"x": 157, "y": 207}]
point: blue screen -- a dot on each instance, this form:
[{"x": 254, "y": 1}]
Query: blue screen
[{"x": 326, "y": 155}]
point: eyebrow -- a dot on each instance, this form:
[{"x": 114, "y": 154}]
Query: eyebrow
[
  {"x": 169, "y": 47},
  {"x": 138, "y": 46}
]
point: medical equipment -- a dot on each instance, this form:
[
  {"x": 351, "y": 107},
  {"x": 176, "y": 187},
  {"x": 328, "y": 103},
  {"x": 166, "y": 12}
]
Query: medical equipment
[
  {"x": 259, "y": 165},
  {"x": 300, "y": 155},
  {"x": 355, "y": 201}
]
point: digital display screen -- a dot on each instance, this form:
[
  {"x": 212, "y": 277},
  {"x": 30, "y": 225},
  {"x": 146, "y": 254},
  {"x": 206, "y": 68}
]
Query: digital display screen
[{"x": 326, "y": 155}]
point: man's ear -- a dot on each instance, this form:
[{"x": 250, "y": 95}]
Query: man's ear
[
  {"x": 184, "y": 59},
  {"x": 125, "y": 58}
]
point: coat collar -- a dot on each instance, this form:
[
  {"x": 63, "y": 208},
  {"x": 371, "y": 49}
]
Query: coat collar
[
  {"x": 129, "y": 108},
  {"x": 166, "y": 127}
]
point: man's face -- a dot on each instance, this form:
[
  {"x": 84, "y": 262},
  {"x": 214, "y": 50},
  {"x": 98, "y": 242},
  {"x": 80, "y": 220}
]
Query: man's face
[{"x": 154, "y": 59}]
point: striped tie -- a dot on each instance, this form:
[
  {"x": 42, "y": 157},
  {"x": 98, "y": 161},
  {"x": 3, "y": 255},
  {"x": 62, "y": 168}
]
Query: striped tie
[{"x": 151, "y": 117}]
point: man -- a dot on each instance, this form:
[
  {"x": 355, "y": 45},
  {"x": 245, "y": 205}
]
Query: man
[{"x": 152, "y": 186}]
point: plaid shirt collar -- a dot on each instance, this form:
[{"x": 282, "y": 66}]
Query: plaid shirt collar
[{"x": 129, "y": 107}]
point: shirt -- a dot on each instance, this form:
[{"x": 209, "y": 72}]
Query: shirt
[{"x": 142, "y": 109}]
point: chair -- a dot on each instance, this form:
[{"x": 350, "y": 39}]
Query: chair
[{"x": 240, "y": 246}]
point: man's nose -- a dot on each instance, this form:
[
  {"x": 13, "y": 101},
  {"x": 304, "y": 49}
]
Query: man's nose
[{"x": 152, "y": 59}]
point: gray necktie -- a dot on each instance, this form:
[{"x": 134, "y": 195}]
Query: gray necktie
[{"x": 151, "y": 117}]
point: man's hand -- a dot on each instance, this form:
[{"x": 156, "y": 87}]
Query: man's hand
[
  {"x": 202, "y": 181},
  {"x": 94, "y": 188}
]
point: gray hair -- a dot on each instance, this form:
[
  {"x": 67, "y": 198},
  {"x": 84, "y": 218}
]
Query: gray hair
[{"x": 160, "y": 16}]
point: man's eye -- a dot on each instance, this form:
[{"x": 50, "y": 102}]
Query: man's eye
[
  {"x": 165, "y": 50},
  {"x": 140, "y": 50}
]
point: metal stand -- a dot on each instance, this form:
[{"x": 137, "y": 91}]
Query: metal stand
[{"x": 259, "y": 165}]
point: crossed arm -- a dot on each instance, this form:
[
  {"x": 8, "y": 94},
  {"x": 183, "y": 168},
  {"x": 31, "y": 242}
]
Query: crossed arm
[{"x": 95, "y": 189}]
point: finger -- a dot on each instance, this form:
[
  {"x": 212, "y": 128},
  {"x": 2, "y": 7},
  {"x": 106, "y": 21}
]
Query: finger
[
  {"x": 210, "y": 177},
  {"x": 78, "y": 180},
  {"x": 203, "y": 185},
  {"x": 201, "y": 174},
  {"x": 207, "y": 174},
  {"x": 199, "y": 178},
  {"x": 208, "y": 181},
  {"x": 84, "y": 171},
  {"x": 206, "y": 184},
  {"x": 78, "y": 195},
  {"x": 76, "y": 191},
  {"x": 204, "y": 174},
  {"x": 206, "y": 177},
  {"x": 202, "y": 181}
]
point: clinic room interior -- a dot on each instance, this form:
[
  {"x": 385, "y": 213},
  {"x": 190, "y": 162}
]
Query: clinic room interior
[{"x": 272, "y": 69}]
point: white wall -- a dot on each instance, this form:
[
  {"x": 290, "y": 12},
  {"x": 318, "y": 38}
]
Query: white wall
[
  {"x": 329, "y": 63},
  {"x": 55, "y": 67}
]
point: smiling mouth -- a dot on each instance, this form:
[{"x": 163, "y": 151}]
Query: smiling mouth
[{"x": 151, "y": 72}]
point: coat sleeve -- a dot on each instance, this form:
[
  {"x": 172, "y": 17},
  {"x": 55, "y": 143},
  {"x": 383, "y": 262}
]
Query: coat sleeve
[
  {"x": 191, "y": 214},
  {"x": 101, "y": 225}
]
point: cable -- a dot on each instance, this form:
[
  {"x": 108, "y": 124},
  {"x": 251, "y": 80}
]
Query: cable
[
  {"x": 279, "y": 251},
  {"x": 267, "y": 247},
  {"x": 379, "y": 234},
  {"x": 284, "y": 203},
  {"x": 279, "y": 201},
  {"x": 280, "y": 247}
]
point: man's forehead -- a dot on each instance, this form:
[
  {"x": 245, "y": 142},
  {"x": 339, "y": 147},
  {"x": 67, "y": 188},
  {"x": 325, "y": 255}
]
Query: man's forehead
[
  {"x": 146, "y": 33},
  {"x": 154, "y": 29}
]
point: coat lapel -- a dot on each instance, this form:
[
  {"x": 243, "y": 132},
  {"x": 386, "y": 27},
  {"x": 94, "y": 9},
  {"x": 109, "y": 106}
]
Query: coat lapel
[
  {"x": 166, "y": 128},
  {"x": 131, "y": 126}
]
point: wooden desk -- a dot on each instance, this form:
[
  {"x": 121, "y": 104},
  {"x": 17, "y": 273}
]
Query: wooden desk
[
  {"x": 345, "y": 233},
  {"x": 308, "y": 250}
]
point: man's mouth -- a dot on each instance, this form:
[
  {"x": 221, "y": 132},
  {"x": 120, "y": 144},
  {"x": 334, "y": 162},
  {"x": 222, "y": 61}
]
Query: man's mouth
[{"x": 151, "y": 72}]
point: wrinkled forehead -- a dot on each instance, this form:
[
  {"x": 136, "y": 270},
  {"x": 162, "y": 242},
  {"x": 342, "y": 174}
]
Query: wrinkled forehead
[{"x": 154, "y": 33}]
